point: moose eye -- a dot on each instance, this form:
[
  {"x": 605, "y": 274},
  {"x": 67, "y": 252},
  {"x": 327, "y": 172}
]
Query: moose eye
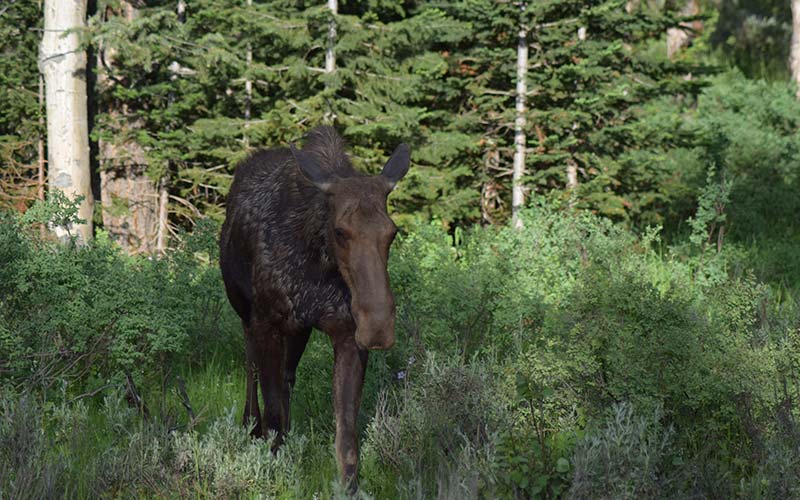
[{"x": 340, "y": 234}]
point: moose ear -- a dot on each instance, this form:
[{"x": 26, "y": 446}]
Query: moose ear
[
  {"x": 311, "y": 169},
  {"x": 397, "y": 166}
]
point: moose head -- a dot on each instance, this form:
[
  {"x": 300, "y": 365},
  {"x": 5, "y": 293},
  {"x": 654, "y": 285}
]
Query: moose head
[{"x": 361, "y": 233}]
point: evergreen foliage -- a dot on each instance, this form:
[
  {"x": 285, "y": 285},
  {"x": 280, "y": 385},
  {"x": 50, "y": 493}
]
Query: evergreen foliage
[
  {"x": 439, "y": 77},
  {"x": 593, "y": 67},
  {"x": 602, "y": 95},
  {"x": 19, "y": 102},
  {"x": 184, "y": 83}
]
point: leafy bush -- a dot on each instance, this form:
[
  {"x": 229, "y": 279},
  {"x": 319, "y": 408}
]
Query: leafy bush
[
  {"x": 579, "y": 315},
  {"x": 86, "y": 314}
]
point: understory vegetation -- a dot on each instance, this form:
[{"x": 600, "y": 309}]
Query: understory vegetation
[
  {"x": 637, "y": 338},
  {"x": 571, "y": 358}
]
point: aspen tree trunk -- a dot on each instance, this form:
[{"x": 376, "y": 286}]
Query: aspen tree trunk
[
  {"x": 129, "y": 197},
  {"x": 162, "y": 236},
  {"x": 163, "y": 213},
  {"x": 517, "y": 194},
  {"x": 63, "y": 65},
  {"x": 330, "y": 54},
  {"x": 248, "y": 87},
  {"x": 572, "y": 174},
  {"x": 794, "y": 54},
  {"x": 41, "y": 151},
  {"x": 489, "y": 193},
  {"x": 631, "y": 6},
  {"x": 572, "y": 165},
  {"x": 41, "y": 180},
  {"x": 679, "y": 38}
]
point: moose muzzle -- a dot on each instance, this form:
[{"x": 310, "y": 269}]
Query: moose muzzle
[{"x": 375, "y": 324}]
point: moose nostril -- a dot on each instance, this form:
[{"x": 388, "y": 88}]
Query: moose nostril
[{"x": 379, "y": 344}]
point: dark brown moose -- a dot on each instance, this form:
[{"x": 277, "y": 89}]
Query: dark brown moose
[{"x": 305, "y": 244}]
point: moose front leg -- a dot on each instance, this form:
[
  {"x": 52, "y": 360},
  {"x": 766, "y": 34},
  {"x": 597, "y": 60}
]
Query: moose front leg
[{"x": 350, "y": 363}]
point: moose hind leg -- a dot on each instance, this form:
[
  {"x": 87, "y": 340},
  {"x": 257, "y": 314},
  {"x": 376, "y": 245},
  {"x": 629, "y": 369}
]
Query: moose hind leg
[
  {"x": 295, "y": 346},
  {"x": 270, "y": 349},
  {"x": 252, "y": 414}
]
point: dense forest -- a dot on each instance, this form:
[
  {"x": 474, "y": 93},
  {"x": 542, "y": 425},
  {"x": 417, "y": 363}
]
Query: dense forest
[{"x": 597, "y": 275}]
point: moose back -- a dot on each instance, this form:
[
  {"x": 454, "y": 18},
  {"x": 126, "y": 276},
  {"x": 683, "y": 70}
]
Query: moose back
[{"x": 305, "y": 244}]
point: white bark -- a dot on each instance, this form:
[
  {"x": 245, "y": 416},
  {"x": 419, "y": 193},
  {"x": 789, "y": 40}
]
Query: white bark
[
  {"x": 63, "y": 65},
  {"x": 41, "y": 176},
  {"x": 572, "y": 174},
  {"x": 248, "y": 87},
  {"x": 794, "y": 54},
  {"x": 517, "y": 194},
  {"x": 631, "y": 6},
  {"x": 163, "y": 212},
  {"x": 679, "y": 38},
  {"x": 572, "y": 165},
  {"x": 162, "y": 232},
  {"x": 330, "y": 54}
]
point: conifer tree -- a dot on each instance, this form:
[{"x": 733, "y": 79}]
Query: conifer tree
[
  {"x": 20, "y": 109},
  {"x": 591, "y": 71},
  {"x": 232, "y": 75},
  {"x": 388, "y": 72}
]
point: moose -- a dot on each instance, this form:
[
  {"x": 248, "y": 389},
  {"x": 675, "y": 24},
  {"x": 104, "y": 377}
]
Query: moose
[{"x": 305, "y": 244}]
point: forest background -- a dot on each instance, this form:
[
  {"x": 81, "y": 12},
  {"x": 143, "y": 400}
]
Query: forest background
[{"x": 597, "y": 277}]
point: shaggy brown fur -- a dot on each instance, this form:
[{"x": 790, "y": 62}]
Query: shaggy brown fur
[{"x": 305, "y": 244}]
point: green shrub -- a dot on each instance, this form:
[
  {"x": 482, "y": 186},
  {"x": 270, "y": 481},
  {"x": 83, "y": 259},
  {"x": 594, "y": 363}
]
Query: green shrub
[
  {"x": 87, "y": 314},
  {"x": 437, "y": 427},
  {"x": 778, "y": 473},
  {"x": 58, "y": 460},
  {"x": 26, "y": 469},
  {"x": 627, "y": 458},
  {"x": 512, "y": 347},
  {"x": 228, "y": 463}
]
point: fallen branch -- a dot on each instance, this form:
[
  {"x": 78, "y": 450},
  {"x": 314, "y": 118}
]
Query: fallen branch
[
  {"x": 185, "y": 401},
  {"x": 90, "y": 394},
  {"x": 133, "y": 397}
]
